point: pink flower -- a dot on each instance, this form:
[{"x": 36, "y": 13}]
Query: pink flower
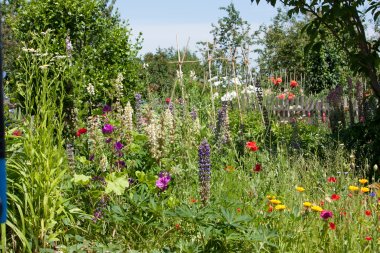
[
  {"x": 326, "y": 214},
  {"x": 281, "y": 96},
  {"x": 293, "y": 84},
  {"x": 291, "y": 96}
]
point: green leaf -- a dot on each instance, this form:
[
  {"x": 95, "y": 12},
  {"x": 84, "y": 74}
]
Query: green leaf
[
  {"x": 81, "y": 179},
  {"x": 115, "y": 184}
]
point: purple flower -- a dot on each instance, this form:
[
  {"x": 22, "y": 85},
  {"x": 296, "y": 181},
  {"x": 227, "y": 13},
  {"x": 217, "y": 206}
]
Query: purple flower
[
  {"x": 108, "y": 140},
  {"x": 107, "y": 108},
  {"x": 120, "y": 164},
  {"x": 372, "y": 194},
  {"x": 118, "y": 145},
  {"x": 162, "y": 183},
  {"x": 326, "y": 214},
  {"x": 107, "y": 129},
  {"x": 91, "y": 158},
  {"x": 204, "y": 170}
]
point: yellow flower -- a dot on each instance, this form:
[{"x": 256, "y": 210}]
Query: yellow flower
[
  {"x": 364, "y": 189},
  {"x": 363, "y": 181},
  {"x": 275, "y": 201},
  {"x": 317, "y": 208},
  {"x": 300, "y": 189},
  {"x": 280, "y": 207},
  {"x": 271, "y": 197},
  {"x": 307, "y": 204},
  {"x": 353, "y": 188}
]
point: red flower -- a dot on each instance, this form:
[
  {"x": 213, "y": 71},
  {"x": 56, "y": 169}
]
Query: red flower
[
  {"x": 257, "y": 167},
  {"x": 331, "y": 180},
  {"x": 335, "y": 197},
  {"x": 368, "y": 212},
  {"x": 238, "y": 210},
  {"x": 17, "y": 133},
  {"x": 177, "y": 226},
  {"x": 278, "y": 80},
  {"x": 281, "y": 96},
  {"x": 368, "y": 238},
  {"x": 332, "y": 225},
  {"x": 291, "y": 96},
  {"x": 167, "y": 100},
  {"x": 270, "y": 209},
  {"x": 81, "y": 131},
  {"x": 293, "y": 84},
  {"x": 252, "y": 146}
]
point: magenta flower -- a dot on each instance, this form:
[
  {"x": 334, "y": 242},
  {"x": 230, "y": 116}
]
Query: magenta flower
[
  {"x": 162, "y": 182},
  {"x": 118, "y": 145},
  {"x": 107, "y": 129},
  {"x": 326, "y": 214},
  {"x": 107, "y": 108}
]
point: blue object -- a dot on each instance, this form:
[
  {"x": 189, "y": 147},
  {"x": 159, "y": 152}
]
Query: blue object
[
  {"x": 4, "y": 74},
  {"x": 3, "y": 192}
]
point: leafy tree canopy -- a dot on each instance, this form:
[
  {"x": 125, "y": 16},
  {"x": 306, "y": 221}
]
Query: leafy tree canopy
[{"x": 344, "y": 21}]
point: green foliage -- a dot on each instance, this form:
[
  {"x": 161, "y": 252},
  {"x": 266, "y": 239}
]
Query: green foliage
[
  {"x": 344, "y": 21},
  {"x": 286, "y": 47},
  {"x": 101, "y": 46},
  {"x": 161, "y": 69}
]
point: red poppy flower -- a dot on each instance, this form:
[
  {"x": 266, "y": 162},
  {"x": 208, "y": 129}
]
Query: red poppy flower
[
  {"x": 17, "y": 133},
  {"x": 279, "y": 80},
  {"x": 293, "y": 84},
  {"x": 251, "y": 145},
  {"x": 167, "y": 100},
  {"x": 281, "y": 96},
  {"x": 335, "y": 197},
  {"x": 331, "y": 180},
  {"x": 368, "y": 212},
  {"x": 368, "y": 238},
  {"x": 257, "y": 167},
  {"x": 332, "y": 225},
  {"x": 81, "y": 131}
]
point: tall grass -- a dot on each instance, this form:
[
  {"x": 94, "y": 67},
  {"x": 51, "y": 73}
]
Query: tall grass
[{"x": 38, "y": 211}]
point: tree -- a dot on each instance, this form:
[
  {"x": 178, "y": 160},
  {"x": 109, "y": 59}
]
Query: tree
[
  {"x": 344, "y": 21},
  {"x": 162, "y": 69},
  {"x": 91, "y": 34},
  {"x": 283, "y": 48},
  {"x": 231, "y": 33}
]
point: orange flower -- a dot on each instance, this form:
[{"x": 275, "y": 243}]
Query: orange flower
[{"x": 229, "y": 168}]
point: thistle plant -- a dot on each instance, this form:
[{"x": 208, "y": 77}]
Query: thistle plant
[{"x": 204, "y": 171}]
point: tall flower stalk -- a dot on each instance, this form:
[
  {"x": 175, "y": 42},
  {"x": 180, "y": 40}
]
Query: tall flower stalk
[{"x": 204, "y": 171}]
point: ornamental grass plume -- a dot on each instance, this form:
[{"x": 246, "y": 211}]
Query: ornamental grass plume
[{"x": 204, "y": 170}]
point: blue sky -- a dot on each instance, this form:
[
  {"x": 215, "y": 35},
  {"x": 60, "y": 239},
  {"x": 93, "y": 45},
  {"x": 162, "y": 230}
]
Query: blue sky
[{"x": 161, "y": 21}]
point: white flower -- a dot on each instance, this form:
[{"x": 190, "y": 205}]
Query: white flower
[
  {"x": 179, "y": 74},
  {"x": 215, "y": 95},
  {"x": 192, "y": 75},
  {"x": 91, "y": 89},
  {"x": 145, "y": 65},
  {"x": 229, "y": 96}
]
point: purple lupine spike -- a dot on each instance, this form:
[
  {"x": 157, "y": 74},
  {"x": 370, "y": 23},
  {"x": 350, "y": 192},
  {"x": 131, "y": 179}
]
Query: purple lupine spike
[
  {"x": 194, "y": 114},
  {"x": 204, "y": 170}
]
